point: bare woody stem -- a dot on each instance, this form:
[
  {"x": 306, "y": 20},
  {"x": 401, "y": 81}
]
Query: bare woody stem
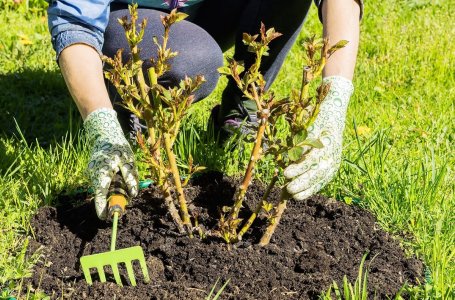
[
  {"x": 240, "y": 195},
  {"x": 258, "y": 208},
  {"x": 165, "y": 189},
  {"x": 140, "y": 75},
  {"x": 265, "y": 240},
  {"x": 169, "y": 202},
  {"x": 166, "y": 192},
  {"x": 178, "y": 185},
  {"x": 307, "y": 77},
  {"x": 256, "y": 97}
]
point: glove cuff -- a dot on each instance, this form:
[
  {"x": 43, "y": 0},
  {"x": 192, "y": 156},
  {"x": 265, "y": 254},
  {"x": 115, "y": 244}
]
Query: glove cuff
[
  {"x": 103, "y": 123},
  {"x": 339, "y": 94}
]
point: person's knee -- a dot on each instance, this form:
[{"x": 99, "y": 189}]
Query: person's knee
[
  {"x": 203, "y": 62},
  {"x": 198, "y": 52}
]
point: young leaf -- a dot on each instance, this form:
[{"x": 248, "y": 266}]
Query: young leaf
[
  {"x": 224, "y": 70},
  {"x": 248, "y": 39},
  {"x": 267, "y": 206},
  {"x": 179, "y": 17},
  {"x": 315, "y": 143},
  {"x": 299, "y": 137},
  {"x": 295, "y": 153},
  {"x": 337, "y": 46}
]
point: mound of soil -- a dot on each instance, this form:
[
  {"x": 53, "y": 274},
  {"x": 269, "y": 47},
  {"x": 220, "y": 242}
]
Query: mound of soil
[{"x": 317, "y": 241}]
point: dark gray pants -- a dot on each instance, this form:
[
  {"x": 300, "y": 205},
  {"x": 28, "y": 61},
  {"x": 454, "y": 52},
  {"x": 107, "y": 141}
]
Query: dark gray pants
[{"x": 213, "y": 27}]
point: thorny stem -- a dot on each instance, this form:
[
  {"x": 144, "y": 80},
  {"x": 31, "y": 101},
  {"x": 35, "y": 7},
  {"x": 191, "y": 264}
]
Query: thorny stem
[
  {"x": 308, "y": 76},
  {"x": 169, "y": 202},
  {"x": 149, "y": 158},
  {"x": 153, "y": 79},
  {"x": 240, "y": 195},
  {"x": 165, "y": 189},
  {"x": 140, "y": 75},
  {"x": 178, "y": 185},
  {"x": 256, "y": 97},
  {"x": 265, "y": 240},
  {"x": 150, "y": 98},
  {"x": 306, "y": 79},
  {"x": 258, "y": 208}
]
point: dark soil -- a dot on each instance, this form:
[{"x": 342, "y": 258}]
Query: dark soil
[{"x": 317, "y": 241}]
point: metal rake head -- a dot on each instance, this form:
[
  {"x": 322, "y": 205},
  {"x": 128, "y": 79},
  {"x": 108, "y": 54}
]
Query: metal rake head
[{"x": 112, "y": 259}]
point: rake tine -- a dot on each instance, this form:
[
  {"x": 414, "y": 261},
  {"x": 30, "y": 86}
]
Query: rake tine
[
  {"x": 87, "y": 275},
  {"x": 144, "y": 269},
  {"x": 101, "y": 273},
  {"x": 116, "y": 274},
  {"x": 129, "y": 269}
]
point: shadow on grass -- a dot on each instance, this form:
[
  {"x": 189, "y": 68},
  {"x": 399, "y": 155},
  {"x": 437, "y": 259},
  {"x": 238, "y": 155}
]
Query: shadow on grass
[{"x": 39, "y": 102}]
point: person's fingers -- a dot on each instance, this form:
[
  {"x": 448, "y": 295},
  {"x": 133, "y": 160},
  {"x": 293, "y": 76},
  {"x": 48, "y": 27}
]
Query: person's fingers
[
  {"x": 310, "y": 163},
  {"x": 130, "y": 175},
  {"x": 101, "y": 180},
  {"x": 314, "y": 131},
  {"x": 317, "y": 186},
  {"x": 101, "y": 186},
  {"x": 311, "y": 177},
  {"x": 101, "y": 206},
  {"x": 308, "y": 192}
]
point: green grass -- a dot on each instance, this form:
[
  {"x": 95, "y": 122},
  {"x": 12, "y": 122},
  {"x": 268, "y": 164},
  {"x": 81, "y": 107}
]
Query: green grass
[
  {"x": 399, "y": 163},
  {"x": 347, "y": 291}
]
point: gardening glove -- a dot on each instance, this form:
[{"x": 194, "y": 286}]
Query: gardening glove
[
  {"x": 320, "y": 165},
  {"x": 110, "y": 154}
]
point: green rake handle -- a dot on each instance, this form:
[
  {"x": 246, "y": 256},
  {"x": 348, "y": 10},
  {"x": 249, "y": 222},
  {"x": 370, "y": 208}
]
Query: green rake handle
[
  {"x": 114, "y": 231},
  {"x": 117, "y": 203}
]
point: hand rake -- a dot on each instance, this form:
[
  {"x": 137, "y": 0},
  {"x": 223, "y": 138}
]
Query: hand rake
[{"x": 117, "y": 202}]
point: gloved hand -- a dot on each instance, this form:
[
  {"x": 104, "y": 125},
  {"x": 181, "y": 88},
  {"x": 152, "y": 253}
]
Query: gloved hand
[
  {"x": 320, "y": 165},
  {"x": 111, "y": 153}
]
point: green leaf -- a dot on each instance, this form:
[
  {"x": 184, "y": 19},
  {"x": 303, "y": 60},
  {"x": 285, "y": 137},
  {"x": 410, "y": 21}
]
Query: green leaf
[
  {"x": 267, "y": 206},
  {"x": 224, "y": 70},
  {"x": 180, "y": 16},
  {"x": 315, "y": 143},
  {"x": 299, "y": 137},
  {"x": 239, "y": 68},
  {"x": 248, "y": 39},
  {"x": 337, "y": 46},
  {"x": 295, "y": 153}
]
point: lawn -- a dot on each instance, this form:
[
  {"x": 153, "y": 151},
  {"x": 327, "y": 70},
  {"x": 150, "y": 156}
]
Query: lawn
[{"x": 399, "y": 156}]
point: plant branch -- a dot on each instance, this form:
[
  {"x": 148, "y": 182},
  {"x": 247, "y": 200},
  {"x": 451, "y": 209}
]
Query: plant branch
[
  {"x": 169, "y": 202},
  {"x": 240, "y": 195},
  {"x": 178, "y": 185},
  {"x": 258, "y": 208},
  {"x": 265, "y": 240}
]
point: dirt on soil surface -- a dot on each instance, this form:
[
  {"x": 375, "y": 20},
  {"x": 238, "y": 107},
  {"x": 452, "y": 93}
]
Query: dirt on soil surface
[{"x": 317, "y": 241}]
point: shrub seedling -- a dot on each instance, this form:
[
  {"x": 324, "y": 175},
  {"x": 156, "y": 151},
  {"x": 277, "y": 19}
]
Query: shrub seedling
[
  {"x": 161, "y": 108},
  {"x": 299, "y": 111}
]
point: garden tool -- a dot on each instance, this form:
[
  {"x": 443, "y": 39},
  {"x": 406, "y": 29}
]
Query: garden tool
[{"x": 117, "y": 198}]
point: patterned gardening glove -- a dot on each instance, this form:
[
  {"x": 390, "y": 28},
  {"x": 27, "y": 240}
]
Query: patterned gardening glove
[
  {"x": 111, "y": 153},
  {"x": 320, "y": 165}
]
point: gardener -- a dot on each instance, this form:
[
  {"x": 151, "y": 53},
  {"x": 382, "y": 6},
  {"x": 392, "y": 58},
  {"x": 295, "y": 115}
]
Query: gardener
[{"x": 82, "y": 30}]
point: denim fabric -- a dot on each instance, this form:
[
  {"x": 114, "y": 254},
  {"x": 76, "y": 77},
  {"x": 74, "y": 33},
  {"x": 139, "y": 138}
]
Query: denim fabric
[
  {"x": 162, "y": 4},
  {"x": 86, "y": 21},
  {"x": 77, "y": 21},
  {"x": 68, "y": 34}
]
